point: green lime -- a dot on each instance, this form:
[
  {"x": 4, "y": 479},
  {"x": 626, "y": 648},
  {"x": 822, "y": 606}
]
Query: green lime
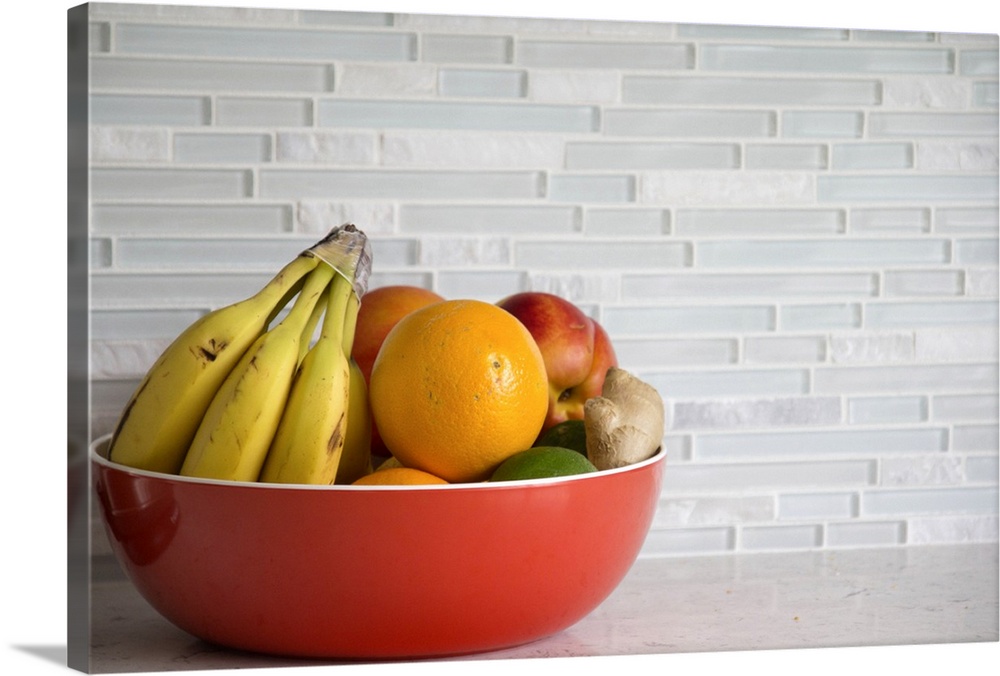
[
  {"x": 541, "y": 462},
  {"x": 567, "y": 434}
]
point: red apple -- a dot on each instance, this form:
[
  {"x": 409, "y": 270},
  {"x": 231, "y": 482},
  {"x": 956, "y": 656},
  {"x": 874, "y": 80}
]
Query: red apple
[
  {"x": 380, "y": 310},
  {"x": 576, "y": 350}
]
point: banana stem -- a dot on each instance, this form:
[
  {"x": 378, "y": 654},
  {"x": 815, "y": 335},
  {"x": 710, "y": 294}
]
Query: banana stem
[
  {"x": 341, "y": 291},
  {"x": 315, "y": 284},
  {"x": 350, "y": 323},
  {"x": 288, "y": 282},
  {"x": 310, "y": 328}
]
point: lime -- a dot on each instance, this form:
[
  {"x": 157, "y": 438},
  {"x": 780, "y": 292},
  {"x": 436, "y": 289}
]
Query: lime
[
  {"x": 541, "y": 462},
  {"x": 567, "y": 434}
]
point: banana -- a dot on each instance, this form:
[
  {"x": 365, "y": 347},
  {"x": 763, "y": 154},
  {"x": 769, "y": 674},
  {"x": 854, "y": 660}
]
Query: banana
[
  {"x": 160, "y": 418},
  {"x": 309, "y": 441},
  {"x": 356, "y": 460},
  {"x": 233, "y": 438}
]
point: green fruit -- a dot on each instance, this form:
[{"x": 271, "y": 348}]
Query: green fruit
[
  {"x": 567, "y": 434},
  {"x": 542, "y": 462}
]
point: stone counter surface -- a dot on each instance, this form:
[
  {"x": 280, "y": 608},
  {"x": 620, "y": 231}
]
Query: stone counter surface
[{"x": 818, "y": 599}]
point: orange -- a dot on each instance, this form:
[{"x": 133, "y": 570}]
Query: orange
[
  {"x": 398, "y": 476},
  {"x": 457, "y": 388}
]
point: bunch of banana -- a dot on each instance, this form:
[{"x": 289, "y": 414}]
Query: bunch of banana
[{"x": 236, "y": 398}]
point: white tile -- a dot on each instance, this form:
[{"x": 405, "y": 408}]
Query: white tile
[
  {"x": 140, "y": 324},
  {"x": 972, "y": 438},
  {"x": 234, "y": 111},
  {"x": 418, "y": 114},
  {"x": 760, "y": 285},
  {"x": 128, "y": 144},
  {"x": 600, "y": 253},
  {"x": 603, "y": 54},
  {"x": 188, "y": 219},
  {"x": 141, "y": 109},
  {"x": 242, "y": 41},
  {"x": 884, "y": 188},
  {"x": 908, "y": 220},
  {"x": 374, "y": 217},
  {"x": 822, "y": 124},
  {"x": 470, "y": 149},
  {"x": 781, "y": 220},
  {"x": 688, "y": 541},
  {"x": 145, "y": 183},
  {"x": 953, "y": 156},
  {"x": 482, "y": 83},
  {"x": 712, "y": 189},
  {"x": 976, "y": 252},
  {"x": 222, "y": 148},
  {"x": 748, "y": 91},
  {"x": 785, "y": 156},
  {"x": 202, "y": 75},
  {"x": 957, "y": 407},
  {"x": 971, "y": 219},
  {"x": 890, "y": 315},
  {"x": 701, "y": 511},
  {"x": 926, "y": 501},
  {"x": 780, "y": 537},
  {"x": 872, "y": 156},
  {"x": 688, "y": 123},
  {"x": 921, "y": 470},
  {"x": 756, "y": 476},
  {"x": 486, "y": 285},
  {"x": 957, "y": 344},
  {"x": 826, "y": 443},
  {"x": 195, "y": 253},
  {"x": 756, "y": 413},
  {"x": 468, "y": 48},
  {"x": 573, "y": 86},
  {"x": 576, "y": 287},
  {"x": 817, "y": 506},
  {"x": 322, "y": 183},
  {"x": 921, "y": 125},
  {"x": 982, "y": 469},
  {"x": 730, "y": 383},
  {"x": 977, "y": 62},
  {"x": 606, "y": 221},
  {"x": 791, "y": 58},
  {"x": 484, "y": 219},
  {"x": 923, "y": 283},
  {"x": 782, "y": 349},
  {"x": 641, "y": 320},
  {"x": 331, "y": 148},
  {"x": 658, "y": 352},
  {"x": 822, "y": 253},
  {"x": 881, "y": 410},
  {"x": 937, "y": 530},
  {"x": 464, "y": 251},
  {"x": 868, "y": 348},
  {"x": 638, "y": 156},
  {"x": 382, "y": 80},
  {"x": 910, "y": 378},
  {"x": 816, "y": 317},
  {"x": 865, "y": 533},
  {"x": 925, "y": 93},
  {"x": 577, "y": 188}
]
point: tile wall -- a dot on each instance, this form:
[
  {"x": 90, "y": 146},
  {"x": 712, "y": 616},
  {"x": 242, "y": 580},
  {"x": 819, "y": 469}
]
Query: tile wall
[{"x": 791, "y": 232}]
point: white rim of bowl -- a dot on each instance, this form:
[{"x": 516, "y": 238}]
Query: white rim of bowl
[{"x": 97, "y": 446}]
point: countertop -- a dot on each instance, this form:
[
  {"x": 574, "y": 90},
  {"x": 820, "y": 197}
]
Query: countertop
[{"x": 823, "y": 599}]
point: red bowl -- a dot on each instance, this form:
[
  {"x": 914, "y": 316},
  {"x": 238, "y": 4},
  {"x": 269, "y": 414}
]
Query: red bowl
[{"x": 375, "y": 571}]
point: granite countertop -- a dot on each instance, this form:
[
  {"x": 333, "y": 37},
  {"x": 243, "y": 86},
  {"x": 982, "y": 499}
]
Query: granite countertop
[{"x": 856, "y": 597}]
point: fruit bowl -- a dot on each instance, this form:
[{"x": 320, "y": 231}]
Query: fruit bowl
[{"x": 375, "y": 572}]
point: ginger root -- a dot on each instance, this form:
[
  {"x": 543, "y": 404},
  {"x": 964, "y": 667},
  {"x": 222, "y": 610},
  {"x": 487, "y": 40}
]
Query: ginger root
[{"x": 625, "y": 424}]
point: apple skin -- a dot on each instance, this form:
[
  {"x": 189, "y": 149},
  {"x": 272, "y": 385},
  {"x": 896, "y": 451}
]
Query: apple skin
[
  {"x": 380, "y": 310},
  {"x": 576, "y": 350}
]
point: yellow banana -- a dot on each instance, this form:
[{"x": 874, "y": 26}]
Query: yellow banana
[
  {"x": 160, "y": 419},
  {"x": 356, "y": 460},
  {"x": 308, "y": 444},
  {"x": 233, "y": 438}
]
